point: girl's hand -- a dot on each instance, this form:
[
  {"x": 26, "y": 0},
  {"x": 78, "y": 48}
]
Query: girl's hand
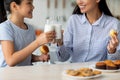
[
  {"x": 44, "y": 57},
  {"x": 44, "y": 38},
  {"x": 113, "y": 43}
]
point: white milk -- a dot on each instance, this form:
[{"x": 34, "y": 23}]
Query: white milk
[
  {"x": 58, "y": 28},
  {"x": 54, "y": 26},
  {"x": 49, "y": 27}
]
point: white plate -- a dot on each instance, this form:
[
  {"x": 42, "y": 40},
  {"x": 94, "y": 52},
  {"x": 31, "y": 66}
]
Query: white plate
[
  {"x": 108, "y": 71},
  {"x": 78, "y": 77}
]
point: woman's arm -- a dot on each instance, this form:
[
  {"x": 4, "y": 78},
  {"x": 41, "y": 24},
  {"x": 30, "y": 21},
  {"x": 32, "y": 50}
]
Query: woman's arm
[{"x": 65, "y": 48}]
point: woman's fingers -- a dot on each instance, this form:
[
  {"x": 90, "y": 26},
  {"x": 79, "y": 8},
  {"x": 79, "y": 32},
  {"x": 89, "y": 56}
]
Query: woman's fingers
[{"x": 113, "y": 43}]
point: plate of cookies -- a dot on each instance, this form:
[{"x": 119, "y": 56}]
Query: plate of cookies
[
  {"x": 82, "y": 73},
  {"x": 107, "y": 66}
]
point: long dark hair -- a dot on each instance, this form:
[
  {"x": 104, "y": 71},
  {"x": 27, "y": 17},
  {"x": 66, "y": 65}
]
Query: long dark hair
[
  {"x": 5, "y": 7},
  {"x": 102, "y": 6},
  {"x": 8, "y": 2},
  {"x": 3, "y": 15}
]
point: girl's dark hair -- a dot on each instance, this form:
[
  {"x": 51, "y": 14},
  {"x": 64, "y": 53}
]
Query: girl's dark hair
[
  {"x": 3, "y": 15},
  {"x": 7, "y": 4},
  {"x": 5, "y": 7},
  {"x": 102, "y": 6}
]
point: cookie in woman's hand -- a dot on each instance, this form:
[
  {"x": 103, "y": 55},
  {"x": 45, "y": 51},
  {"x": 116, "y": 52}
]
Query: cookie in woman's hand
[{"x": 113, "y": 32}]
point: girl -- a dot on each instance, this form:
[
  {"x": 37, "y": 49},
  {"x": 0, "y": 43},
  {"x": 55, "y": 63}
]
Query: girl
[
  {"x": 17, "y": 39},
  {"x": 86, "y": 37}
]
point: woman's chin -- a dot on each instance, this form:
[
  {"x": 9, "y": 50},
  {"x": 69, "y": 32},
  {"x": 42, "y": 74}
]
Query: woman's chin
[{"x": 83, "y": 11}]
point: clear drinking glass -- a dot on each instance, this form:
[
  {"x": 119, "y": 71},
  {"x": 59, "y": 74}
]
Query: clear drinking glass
[{"x": 54, "y": 24}]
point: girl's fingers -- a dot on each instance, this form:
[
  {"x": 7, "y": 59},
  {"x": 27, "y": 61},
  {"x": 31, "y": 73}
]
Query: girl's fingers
[{"x": 50, "y": 36}]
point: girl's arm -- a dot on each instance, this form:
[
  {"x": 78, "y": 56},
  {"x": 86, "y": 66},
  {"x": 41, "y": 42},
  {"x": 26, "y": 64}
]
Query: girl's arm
[
  {"x": 12, "y": 58},
  {"x": 42, "y": 57}
]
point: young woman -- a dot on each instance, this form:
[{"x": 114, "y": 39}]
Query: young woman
[
  {"x": 17, "y": 39},
  {"x": 86, "y": 37}
]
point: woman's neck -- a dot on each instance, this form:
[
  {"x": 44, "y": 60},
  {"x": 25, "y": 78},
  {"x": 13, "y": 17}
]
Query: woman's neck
[{"x": 93, "y": 16}]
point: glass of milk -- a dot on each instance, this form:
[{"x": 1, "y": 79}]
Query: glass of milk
[
  {"x": 53, "y": 24},
  {"x": 58, "y": 28},
  {"x": 49, "y": 26}
]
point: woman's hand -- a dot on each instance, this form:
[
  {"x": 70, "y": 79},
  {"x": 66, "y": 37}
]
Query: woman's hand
[
  {"x": 113, "y": 43},
  {"x": 59, "y": 41},
  {"x": 44, "y": 38}
]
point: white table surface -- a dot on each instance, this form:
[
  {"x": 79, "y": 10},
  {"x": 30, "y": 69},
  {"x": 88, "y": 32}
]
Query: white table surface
[{"x": 48, "y": 72}]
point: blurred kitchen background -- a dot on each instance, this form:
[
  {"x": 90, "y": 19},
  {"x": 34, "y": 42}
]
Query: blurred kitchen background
[{"x": 49, "y": 8}]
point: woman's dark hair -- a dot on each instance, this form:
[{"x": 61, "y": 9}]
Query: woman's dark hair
[
  {"x": 7, "y": 4},
  {"x": 102, "y": 6},
  {"x": 3, "y": 15}
]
